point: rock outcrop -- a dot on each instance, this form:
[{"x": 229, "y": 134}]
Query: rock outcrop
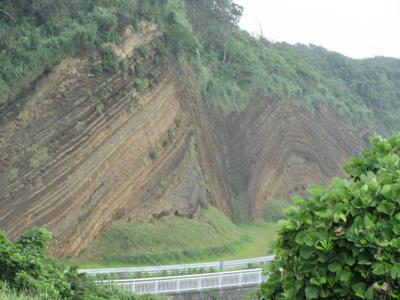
[{"x": 82, "y": 151}]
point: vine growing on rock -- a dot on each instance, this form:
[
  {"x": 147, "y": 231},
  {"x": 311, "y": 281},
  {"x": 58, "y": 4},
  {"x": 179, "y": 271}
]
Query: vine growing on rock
[{"x": 343, "y": 241}]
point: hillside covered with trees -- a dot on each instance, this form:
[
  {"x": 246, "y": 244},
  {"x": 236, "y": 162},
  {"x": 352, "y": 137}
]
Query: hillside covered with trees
[{"x": 230, "y": 64}]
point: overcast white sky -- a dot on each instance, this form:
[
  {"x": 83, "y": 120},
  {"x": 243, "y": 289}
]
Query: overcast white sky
[{"x": 356, "y": 28}]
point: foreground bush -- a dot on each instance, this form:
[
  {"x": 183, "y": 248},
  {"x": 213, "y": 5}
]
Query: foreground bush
[
  {"x": 343, "y": 242},
  {"x": 26, "y": 269}
]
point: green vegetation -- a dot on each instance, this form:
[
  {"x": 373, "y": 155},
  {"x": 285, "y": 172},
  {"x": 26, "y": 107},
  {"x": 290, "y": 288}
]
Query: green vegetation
[
  {"x": 274, "y": 209},
  {"x": 141, "y": 84},
  {"x": 263, "y": 237},
  {"x": 167, "y": 240},
  {"x": 109, "y": 63},
  {"x": 236, "y": 65},
  {"x": 100, "y": 108},
  {"x": 153, "y": 154},
  {"x": 47, "y": 31},
  {"x": 26, "y": 270},
  {"x": 230, "y": 65},
  {"x": 343, "y": 241},
  {"x": 13, "y": 174},
  {"x": 178, "y": 240},
  {"x": 8, "y": 294}
]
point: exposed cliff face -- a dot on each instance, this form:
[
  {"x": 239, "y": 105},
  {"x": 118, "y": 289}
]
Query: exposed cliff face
[
  {"x": 84, "y": 151},
  {"x": 274, "y": 150}
]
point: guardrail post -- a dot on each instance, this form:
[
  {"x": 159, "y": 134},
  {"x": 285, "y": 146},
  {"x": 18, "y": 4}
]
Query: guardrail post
[
  {"x": 240, "y": 279},
  {"x": 199, "y": 282},
  {"x": 178, "y": 286},
  {"x": 156, "y": 287},
  {"x": 220, "y": 281},
  {"x": 259, "y": 276}
]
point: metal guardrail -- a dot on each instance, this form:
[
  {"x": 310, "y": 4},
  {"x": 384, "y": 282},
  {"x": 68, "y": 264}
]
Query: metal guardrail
[
  {"x": 230, "y": 264},
  {"x": 223, "y": 265},
  {"x": 187, "y": 283}
]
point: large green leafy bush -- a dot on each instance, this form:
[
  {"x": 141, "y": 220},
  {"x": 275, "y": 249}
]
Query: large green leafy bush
[
  {"x": 25, "y": 268},
  {"x": 343, "y": 241}
]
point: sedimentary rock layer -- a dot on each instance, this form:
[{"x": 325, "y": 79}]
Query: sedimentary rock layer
[{"x": 82, "y": 151}]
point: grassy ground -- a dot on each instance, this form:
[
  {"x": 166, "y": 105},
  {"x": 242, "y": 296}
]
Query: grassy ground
[
  {"x": 274, "y": 209},
  {"x": 11, "y": 295},
  {"x": 263, "y": 235},
  {"x": 179, "y": 240}
]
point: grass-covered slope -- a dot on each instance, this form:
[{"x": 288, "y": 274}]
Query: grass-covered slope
[
  {"x": 178, "y": 240},
  {"x": 167, "y": 240},
  {"x": 7, "y": 294}
]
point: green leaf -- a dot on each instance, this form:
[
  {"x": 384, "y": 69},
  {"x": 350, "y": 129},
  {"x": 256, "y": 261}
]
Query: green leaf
[
  {"x": 373, "y": 183},
  {"x": 311, "y": 292},
  {"x": 395, "y": 271},
  {"x": 379, "y": 269},
  {"x": 386, "y": 190},
  {"x": 339, "y": 217},
  {"x": 359, "y": 289},
  {"x": 297, "y": 200},
  {"x": 306, "y": 252},
  {"x": 345, "y": 276},
  {"x": 386, "y": 207},
  {"x": 369, "y": 295},
  {"x": 335, "y": 267},
  {"x": 396, "y": 229},
  {"x": 309, "y": 240},
  {"x": 350, "y": 260}
]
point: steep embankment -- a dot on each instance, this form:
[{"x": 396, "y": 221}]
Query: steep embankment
[{"x": 86, "y": 150}]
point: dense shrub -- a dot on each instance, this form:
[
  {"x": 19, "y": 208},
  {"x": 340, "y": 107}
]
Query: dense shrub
[
  {"x": 109, "y": 61},
  {"x": 26, "y": 269},
  {"x": 343, "y": 241}
]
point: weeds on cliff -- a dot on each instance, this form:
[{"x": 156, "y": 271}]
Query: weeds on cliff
[
  {"x": 13, "y": 174},
  {"x": 100, "y": 108},
  {"x": 178, "y": 122},
  {"x": 109, "y": 62},
  {"x": 124, "y": 66},
  {"x": 140, "y": 84},
  {"x": 153, "y": 154}
]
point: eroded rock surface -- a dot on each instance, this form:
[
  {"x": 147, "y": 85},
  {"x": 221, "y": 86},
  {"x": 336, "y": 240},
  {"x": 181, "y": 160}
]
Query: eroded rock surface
[{"x": 82, "y": 151}]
